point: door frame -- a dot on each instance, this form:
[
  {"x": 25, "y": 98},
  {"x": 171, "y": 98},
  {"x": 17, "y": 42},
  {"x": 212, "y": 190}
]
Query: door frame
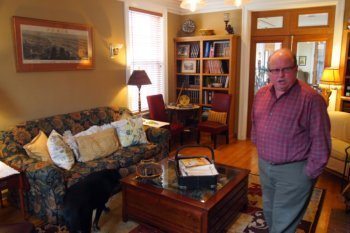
[
  {"x": 286, "y": 42},
  {"x": 245, "y": 46}
]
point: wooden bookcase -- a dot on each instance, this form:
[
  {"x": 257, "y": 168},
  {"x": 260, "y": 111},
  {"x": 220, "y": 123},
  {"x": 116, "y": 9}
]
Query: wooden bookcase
[
  {"x": 345, "y": 72},
  {"x": 205, "y": 65}
]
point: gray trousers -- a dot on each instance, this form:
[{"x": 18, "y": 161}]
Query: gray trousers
[{"x": 286, "y": 193}]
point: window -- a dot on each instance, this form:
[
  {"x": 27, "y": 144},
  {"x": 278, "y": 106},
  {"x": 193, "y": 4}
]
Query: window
[{"x": 145, "y": 52}]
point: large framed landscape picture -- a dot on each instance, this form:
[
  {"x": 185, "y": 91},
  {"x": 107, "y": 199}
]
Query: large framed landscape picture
[{"x": 44, "y": 45}]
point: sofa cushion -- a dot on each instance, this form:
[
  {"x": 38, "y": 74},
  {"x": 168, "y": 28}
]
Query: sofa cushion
[
  {"x": 97, "y": 145},
  {"x": 133, "y": 154},
  {"x": 340, "y": 122},
  {"x": 81, "y": 170},
  {"x": 338, "y": 149},
  {"x": 60, "y": 153},
  {"x": 37, "y": 148},
  {"x": 130, "y": 131}
]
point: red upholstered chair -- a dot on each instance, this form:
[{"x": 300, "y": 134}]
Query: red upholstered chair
[
  {"x": 221, "y": 103},
  {"x": 157, "y": 112}
]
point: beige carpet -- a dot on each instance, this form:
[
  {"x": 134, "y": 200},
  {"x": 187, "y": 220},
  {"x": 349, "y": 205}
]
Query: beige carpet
[{"x": 112, "y": 222}]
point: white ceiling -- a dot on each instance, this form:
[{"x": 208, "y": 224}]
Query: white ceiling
[{"x": 173, "y": 6}]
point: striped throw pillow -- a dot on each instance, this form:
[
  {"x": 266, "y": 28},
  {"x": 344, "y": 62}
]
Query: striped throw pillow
[{"x": 217, "y": 116}]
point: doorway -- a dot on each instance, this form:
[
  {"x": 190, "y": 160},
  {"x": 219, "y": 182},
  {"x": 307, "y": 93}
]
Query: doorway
[{"x": 307, "y": 32}]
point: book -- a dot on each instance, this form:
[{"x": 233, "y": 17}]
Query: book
[
  {"x": 204, "y": 170},
  {"x": 6, "y": 170},
  {"x": 194, "y": 162}
]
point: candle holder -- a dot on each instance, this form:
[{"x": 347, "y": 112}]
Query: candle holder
[{"x": 228, "y": 27}]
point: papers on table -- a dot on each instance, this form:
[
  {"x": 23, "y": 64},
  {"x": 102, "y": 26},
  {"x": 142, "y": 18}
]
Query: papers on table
[
  {"x": 153, "y": 123},
  {"x": 6, "y": 170},
  {"x": 198, "y": 170}
]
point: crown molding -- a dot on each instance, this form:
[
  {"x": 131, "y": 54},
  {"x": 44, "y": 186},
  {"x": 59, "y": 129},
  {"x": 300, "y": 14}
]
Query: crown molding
[{"x": 173, "y": 6}]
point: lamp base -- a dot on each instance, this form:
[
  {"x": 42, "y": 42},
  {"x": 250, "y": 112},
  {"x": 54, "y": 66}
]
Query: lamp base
[{"x": 326, "y": 93}]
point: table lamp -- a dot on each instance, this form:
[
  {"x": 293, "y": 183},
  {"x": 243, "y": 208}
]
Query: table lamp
[
  {"x": 139, "y": 78},
  {"x": 329, "y": 80}
]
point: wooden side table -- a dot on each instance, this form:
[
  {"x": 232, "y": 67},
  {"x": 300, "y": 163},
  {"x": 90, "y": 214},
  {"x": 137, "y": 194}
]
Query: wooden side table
[{"x": 15, "y": 181}]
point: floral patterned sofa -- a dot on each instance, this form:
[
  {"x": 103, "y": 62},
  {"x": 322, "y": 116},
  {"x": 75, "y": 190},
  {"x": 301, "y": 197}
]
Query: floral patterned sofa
[{"x": 47, "y": 182}]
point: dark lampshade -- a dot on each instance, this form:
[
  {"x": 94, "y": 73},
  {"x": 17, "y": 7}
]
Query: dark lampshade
[{"x": 139, "y": 78}]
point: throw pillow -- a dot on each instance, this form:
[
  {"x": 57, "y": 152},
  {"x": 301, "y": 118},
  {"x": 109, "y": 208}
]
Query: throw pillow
[
  {"x": 71, "y": 140},
  {"x": 97, "y": 145},
  {"x": 130, "y": 131},
  {"x": 217, "y": 116},
  {"x": 60, "y": 152},
  {"x": 37, "y": 148}
]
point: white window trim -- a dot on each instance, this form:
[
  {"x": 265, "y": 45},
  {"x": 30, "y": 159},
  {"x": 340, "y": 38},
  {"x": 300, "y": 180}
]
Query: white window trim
[{"x": 154, "y": 8}]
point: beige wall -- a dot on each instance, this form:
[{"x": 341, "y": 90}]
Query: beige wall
[
  {"x": 30, "y": 95},
  {"x": 215, "y": 21},
  {"x": 174, "y": 23}
]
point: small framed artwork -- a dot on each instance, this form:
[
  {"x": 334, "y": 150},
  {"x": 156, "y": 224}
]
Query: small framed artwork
[
  {"x": 302, "y": 61},
  {"x": 44, "y": 45},
  {"x": 188, "y": 66},
  {"x": 183, "y": 50}
]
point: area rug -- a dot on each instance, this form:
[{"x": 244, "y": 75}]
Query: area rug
[{"x": 250, "y": 220}]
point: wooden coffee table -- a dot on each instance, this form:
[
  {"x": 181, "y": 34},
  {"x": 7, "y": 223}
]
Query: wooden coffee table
[{"x": 163, "y": 205}]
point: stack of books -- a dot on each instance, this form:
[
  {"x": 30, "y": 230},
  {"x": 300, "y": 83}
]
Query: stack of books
[{"x": 199, "y": 166}]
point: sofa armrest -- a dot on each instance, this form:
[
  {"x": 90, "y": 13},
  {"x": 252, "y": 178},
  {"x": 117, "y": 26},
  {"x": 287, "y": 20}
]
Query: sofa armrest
[
  {"x": 37, "y": 171},
  {"x": 159, "y": 136}
]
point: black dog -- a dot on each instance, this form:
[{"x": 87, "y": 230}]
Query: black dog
[{"x": 88, "y": 194}]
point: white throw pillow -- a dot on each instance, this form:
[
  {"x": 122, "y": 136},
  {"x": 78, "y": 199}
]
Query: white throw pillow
[
  {"x": 130, "y": 131},
  {"x": 37, "y": 148},
  {"x": 60, "y": 152}
]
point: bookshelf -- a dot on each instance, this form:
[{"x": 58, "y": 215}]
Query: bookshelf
[
  {"x": 345, "y": 72},
  {"x": 205, "y": 65}
]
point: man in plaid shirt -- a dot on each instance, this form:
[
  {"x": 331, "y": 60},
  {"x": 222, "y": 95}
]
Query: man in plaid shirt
[{"x": 291, "y": 130}]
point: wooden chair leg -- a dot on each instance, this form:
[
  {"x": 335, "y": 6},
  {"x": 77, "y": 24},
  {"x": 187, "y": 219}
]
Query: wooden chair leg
[
  {"x": 181, "y": 138},
  {"x": 227, "y": 139},
  {"x": 198, "y": 137}
]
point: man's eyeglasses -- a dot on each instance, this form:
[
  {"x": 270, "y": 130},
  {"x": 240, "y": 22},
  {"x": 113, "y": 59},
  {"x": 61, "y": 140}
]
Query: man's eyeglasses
[{"x": 284, "y": 70}]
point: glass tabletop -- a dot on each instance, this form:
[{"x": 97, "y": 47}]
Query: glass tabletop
[{"x": 168, "y": 181}]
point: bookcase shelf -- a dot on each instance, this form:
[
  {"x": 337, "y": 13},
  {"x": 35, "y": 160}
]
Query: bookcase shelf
[
  {"x": 210, "y": 59},
  {"x": 345, "y": 72}
]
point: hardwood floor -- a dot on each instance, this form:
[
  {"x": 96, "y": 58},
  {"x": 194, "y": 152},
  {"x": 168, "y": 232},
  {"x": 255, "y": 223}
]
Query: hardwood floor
[{"x": 240, "y": 154}]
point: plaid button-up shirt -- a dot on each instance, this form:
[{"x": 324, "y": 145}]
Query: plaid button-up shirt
[{"x": 292, "y": 128}]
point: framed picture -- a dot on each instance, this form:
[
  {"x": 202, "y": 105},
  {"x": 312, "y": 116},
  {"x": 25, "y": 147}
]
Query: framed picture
[
  {"x": 43, "y": 45},
  {"x": 183, "y": 50},
  {"x": 188, "y": 66},
  {"x": 302, "y": 61}
]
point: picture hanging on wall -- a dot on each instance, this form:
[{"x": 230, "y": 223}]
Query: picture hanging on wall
[
  {"x": 44, "y": 45},
  {"x": 302, "y": 61}
]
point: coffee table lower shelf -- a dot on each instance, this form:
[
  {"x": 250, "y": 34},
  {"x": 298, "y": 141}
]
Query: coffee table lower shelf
[{"x": 173, "y": 212}]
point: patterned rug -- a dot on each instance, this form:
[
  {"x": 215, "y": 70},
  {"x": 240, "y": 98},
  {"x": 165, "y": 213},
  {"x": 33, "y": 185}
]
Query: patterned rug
[{"x": 251, "y": 220}]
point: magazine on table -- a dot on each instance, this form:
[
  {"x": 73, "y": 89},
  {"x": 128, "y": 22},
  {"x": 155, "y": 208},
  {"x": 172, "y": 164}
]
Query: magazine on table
[{"x": 197, "y": 167}]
